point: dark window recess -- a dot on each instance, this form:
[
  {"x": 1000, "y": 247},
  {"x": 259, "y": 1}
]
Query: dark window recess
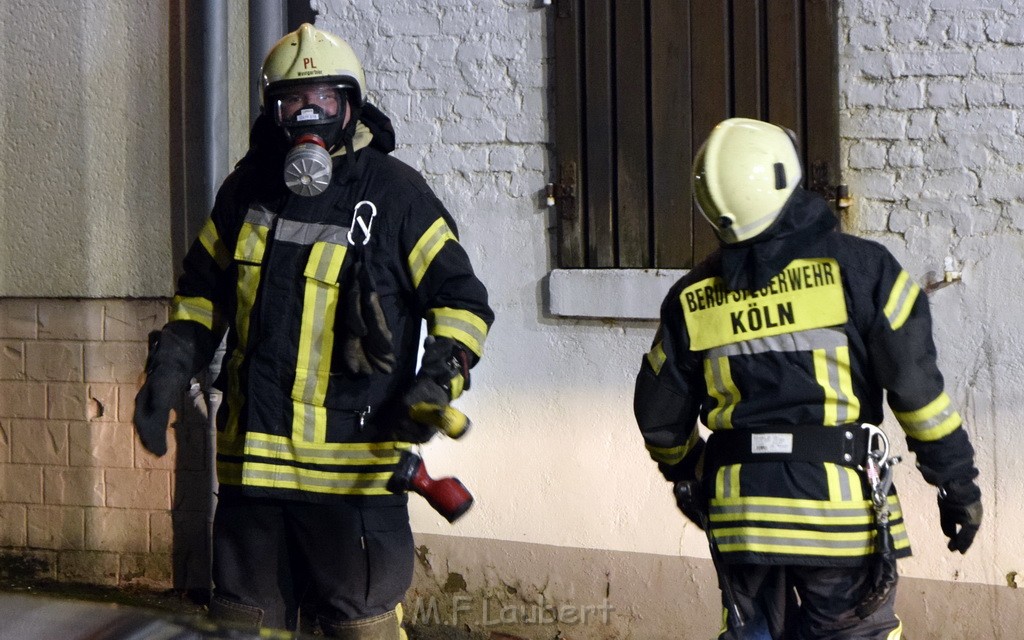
[{"x": 638, "y": 86}]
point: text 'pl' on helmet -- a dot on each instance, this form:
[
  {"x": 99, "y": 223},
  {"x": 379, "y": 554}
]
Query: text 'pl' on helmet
[
  {"x": 307, "y": 56},
  {"x": 743, "y": 175}
]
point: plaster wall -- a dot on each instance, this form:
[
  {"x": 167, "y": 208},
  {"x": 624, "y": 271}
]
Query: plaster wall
[{"x": 87, "y": 101}]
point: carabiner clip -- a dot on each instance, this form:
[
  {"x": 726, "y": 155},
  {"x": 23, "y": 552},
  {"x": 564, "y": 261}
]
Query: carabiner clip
[{"x": 878, "y": 444}]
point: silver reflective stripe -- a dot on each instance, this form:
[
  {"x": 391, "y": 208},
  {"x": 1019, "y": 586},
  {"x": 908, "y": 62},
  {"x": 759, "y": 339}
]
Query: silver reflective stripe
[
  {"x": 828, "y": 338},
  {"x": 311, "y": 454},
  {"x": 749, "y": 510},
  {"x": 845, "y": 492},
  {"x": 287, "y": 475},
  {"x": 259, "y": 216},
  {"x": 724, "y": 391},
  {"x": 308, "y": 411},
  {"x": 750, "y": 539},
  {"x": 306, "y": 233}
]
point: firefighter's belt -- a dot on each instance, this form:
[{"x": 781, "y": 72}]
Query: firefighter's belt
[{"x": 843, "y": 445}]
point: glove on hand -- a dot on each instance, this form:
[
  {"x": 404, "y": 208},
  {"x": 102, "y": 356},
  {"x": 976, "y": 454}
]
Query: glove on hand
[
  {"x": 690, "y": 500},
  {"x": 169, "y": 368},
  {"x": 960, "y": 506},
  {"x": 443, "y": 375},
  {"x": 368, "y": 345},
  {"x": 446, "y": 362}
]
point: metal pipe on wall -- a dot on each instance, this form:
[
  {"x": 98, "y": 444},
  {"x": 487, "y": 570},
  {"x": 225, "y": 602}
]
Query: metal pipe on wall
[{"x": 268, "y": 20}]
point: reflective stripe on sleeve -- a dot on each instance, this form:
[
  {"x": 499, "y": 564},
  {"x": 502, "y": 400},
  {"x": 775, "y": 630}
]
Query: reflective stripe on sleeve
[
  {"x": 193, "y": 308},
  {"x": 933, "y": 421},
  {"x": 458, "y": 324},
  {"x": 656, "y": 358},
  {"x": 427, "y": 247},
  {"x": 901, "y": 300},
  {"x": 213, "y": 244},
  {"x": 674, "y": 455}
]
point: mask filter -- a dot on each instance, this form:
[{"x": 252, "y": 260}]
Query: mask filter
[{"x": 307, "y": 167}]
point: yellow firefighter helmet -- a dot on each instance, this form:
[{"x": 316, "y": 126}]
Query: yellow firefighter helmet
[{"x": 309, "y": 55}]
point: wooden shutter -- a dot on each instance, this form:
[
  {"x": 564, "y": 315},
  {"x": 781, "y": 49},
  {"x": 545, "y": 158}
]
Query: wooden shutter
[{"x": 638, "y": 86}]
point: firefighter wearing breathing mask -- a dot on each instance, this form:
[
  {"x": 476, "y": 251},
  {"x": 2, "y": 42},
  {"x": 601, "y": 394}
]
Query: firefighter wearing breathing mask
[
  {"x": 784, "y": 343},
  {"x": 320, "y": 260}
]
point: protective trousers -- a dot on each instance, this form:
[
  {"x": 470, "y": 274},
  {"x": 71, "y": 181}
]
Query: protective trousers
[
  {"x": 350, "y": 563},
  {"x": 767, "y": 598}
]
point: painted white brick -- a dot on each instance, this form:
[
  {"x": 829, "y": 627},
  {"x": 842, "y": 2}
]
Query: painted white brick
[
  {"x": 1002, "y": 60},
  {"x": 933, "y": 63},
  {"x": 942, "y": 93},
  {"x": 866, "y": 94},
  {"x": 878, "y": 125},
  {"x": 903, "y": 32},
  {"x": 920, "y": 125},
  {"x": 906, "y": 95},
  {"x": 868, "y": 155},
  {"x": 903, "y": 154},
  {"x": 870, "y": 36}
]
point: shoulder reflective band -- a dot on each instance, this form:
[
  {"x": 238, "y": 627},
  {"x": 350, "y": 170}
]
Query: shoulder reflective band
[
  {"x": 901, "y": 300},
  {"x": 428, "y": 246},
  {"x": 845, "y": 445}
]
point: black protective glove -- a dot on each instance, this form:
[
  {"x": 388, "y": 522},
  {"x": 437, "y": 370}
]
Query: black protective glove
[
  {"x": 169, "y": 368},
  {"x": 691, "y": 501},
  {"x": 443, "y": 375},
  {"x": 368, "y": 344},
  {"x": 960, "y": 512}
]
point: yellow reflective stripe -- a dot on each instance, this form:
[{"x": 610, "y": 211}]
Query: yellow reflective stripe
[
  {"x": 309, "y": 422},
  {"x": 797, "y": 510},
  {"x": 229, "y": 472},
  {"x": 458, "y": 324},
  {"x": 901, "y": 300},
  {"x": 897, "y": 633},
  {"x": 214, "y": 246},
  {"x": 230, "y": 443},
  {"x": 727, "y": 482},
  {"x": 817, "y": 543},
  {"x": 234, "y": 401},
  {"x": 851, "y": 403},
  {"x": 718, "y": 376},
  {"x": 673, "y": 455},
  {"x": 935, "y": 420},
  {"x": 814, "y": 516},
  {"x": 429, "y": 244},
  {"x": 258, "y": 474},
  {"x": 814, "y": 512},
  {"x": 316, "y": 341},
  {"x": 252, "y": 242},
  {"x": 335, "y": 453},
  {"x": 843, "y": 483},
  {"x": 193, "y": 308},
  {"x": 656, "y": 357},
  {"x": 832, "y": 371}
]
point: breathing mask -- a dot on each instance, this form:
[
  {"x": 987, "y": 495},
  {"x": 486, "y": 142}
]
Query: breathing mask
[{"x": 313, "y": 118}]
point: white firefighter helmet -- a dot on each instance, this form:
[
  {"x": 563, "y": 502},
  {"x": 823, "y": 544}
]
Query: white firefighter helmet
[{"x": 743, "y": 175}]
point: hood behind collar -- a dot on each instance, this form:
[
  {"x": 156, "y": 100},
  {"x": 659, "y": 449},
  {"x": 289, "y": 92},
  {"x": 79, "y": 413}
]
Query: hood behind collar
[{"x": 802, "y": 223}]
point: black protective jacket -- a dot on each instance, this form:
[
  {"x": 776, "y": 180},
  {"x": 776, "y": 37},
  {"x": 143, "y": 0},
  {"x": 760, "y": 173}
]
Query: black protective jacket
[
  {"x": 804, "y": 326},
  {"x": 270, "y": 268}
]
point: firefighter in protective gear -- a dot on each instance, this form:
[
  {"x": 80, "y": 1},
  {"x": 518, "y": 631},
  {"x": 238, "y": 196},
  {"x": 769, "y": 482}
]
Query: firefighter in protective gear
[
  {"x": 783, "y": 343},
  {"x": 321, "y": 296}
]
